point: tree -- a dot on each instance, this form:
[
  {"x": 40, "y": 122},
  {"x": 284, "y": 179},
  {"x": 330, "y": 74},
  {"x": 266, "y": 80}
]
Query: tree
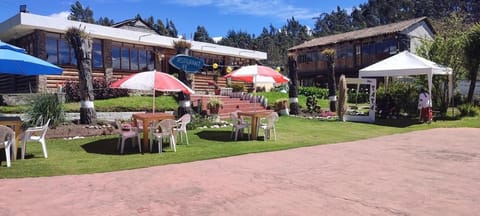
[
  {"x": 172, "y": 31},
  {"x": 330, "y": 56},
  {"x": 81, "y": 43},
  {"x": 202, "y": 35},
  {"x": 293, "y": 86},
  {"x": 105, "y": 21},
  {"x": 77, "y": 13},
  {"x": 238, "y": 39},
  {"x": 472, "y": 58},
  {"x": 161, "y": 28},
  {"x": 450, "y": 39}
]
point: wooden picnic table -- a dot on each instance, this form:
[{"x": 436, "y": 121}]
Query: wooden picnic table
[
  {"x": 147, "y": 119},
  {"x": 255, "y": 117}
]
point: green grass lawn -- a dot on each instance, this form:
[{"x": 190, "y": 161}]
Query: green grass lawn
[
  {"x": 122, "y": 104},
  {"x": 98, "y": 154}
]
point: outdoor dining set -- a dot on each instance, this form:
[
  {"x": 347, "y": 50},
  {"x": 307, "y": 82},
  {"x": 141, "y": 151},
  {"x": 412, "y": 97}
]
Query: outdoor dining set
[
  {"x": 150, "y": 129},
  {"x": 152, "y": 126}
]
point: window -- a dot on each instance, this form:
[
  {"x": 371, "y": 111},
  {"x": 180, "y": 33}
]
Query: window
[
  {"x": 66, "y": 55},
  {"x": 116, "y": 57},
  {"x": 97, "y": 54},
  {"x": 358, "y": 55},
  {"x": 52, "y": 52},
  {"x": 142, "y": 55},
  {"x": 132, "y": 57},
  {"x": 59, "y": 51},
  {"x": 125, "y": 58}
]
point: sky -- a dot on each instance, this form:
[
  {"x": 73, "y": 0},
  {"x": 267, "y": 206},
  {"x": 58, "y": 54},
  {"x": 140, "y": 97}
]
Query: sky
[{"x": 217, "y": 16}]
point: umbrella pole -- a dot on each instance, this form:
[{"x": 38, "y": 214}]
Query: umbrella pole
[{"x": 153, "y": 105}]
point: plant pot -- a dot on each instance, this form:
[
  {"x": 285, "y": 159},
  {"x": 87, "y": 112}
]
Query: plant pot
[
  {"x": 217, "y": 91},
  {"x": 214, "y": 109}
]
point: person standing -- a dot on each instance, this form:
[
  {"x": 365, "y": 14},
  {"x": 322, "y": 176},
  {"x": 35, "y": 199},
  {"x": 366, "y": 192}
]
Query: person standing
[{"x": 425, "y": 106}]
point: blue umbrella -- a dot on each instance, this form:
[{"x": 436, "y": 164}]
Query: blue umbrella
[{"x": 14, "y": 60}]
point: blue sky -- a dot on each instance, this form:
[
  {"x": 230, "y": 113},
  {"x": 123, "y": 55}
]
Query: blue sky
[{"x": 218, "y": 16}]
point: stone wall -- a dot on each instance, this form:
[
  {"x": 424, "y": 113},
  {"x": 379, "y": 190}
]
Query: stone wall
[{"x": 22, "y": 99}]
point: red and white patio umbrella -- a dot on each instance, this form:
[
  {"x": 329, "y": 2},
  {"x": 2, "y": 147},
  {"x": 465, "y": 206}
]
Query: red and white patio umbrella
[
  {"x": 152, "y": 81},
  {"x": 257, "y": 74}
]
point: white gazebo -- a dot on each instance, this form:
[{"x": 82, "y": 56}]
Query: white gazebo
[{"x": 407, "y": 64}]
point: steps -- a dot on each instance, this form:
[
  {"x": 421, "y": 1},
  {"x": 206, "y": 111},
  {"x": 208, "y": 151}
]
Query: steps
[
  {"x": 229, "y": 104},
  {"x": 201, "y": 86}
]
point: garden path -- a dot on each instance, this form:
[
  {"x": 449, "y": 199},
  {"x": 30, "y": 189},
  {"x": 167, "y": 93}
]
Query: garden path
[{"x": 430, "y": 172}]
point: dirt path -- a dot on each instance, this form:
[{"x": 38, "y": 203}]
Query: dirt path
[{"x": 433, "y": 172}]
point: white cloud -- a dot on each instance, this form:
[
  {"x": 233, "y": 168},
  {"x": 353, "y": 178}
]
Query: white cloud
[
  {"x": 217, "y": 39},
  {"x": 63, "y": 14},
  {"x": 275, "y": 8}
]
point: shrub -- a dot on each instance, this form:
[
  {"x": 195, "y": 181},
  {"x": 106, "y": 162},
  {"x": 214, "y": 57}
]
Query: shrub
[
  {"x": 320, "y": 93},
  {"x": 405, "y": 95},
  {"x": 103, "y": 91},
  {"x": 362, "y": 97},
  {"x": 312, "y": 106},
  {"x": 43, "y": 107},
  {"x": 198, "y": 121},
  {"x": 468, "y": 110},
  {"x": 100, "y": 90},
  {"x": 72, "y": 92}
]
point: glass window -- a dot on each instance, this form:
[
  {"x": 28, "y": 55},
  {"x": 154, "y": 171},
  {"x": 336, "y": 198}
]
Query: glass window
[
  {"x": 142, "y": 60},
  {"x": 64, "y": 52},
  {"x": 59, "y": 51},
  {"x": 133, "y": 59},
  {"x": 97, "y": 59},
  {"x": 116, "y": 57},
  {"x": 125, "y": 59},
  {"x": 51, "y": 48},
  {"x": 150, "y": 60}
]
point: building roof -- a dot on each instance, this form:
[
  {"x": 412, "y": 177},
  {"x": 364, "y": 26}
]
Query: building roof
[
  {"x": 135, "y": 24},
  {"x": 362, "y": 33},
  {"x": 25, "y": 23}
]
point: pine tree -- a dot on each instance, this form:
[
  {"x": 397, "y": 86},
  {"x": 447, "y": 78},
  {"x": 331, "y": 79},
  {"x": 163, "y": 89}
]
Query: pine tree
[
  {"x": 202, "y": 35},
  {"x": 77, "y": 13}
]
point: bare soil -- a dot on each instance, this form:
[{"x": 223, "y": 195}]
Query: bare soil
[{"x": 77, "y": 130}]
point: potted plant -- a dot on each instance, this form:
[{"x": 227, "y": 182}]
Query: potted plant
[
  {"x": 214, "y": 105},
  {"x": 216, "y": 89}
]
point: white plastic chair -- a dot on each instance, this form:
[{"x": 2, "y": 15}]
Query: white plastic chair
[
  {"x": 7, "y": 137},
  {"x": 269, "y": 126},
  {"x": 36, "y": 134},
  {"x": 127, "y": 133},
  {"x": 238, "y": 125},
  {"x": 167, "y": 131},
  {"x": 182, "y": 122}
]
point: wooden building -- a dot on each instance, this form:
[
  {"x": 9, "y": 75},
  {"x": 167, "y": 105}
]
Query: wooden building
[
  {"x": 128, "y": 47},
  {"x": 357, "y": 49}
]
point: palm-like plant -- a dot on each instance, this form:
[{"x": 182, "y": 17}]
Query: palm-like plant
[
  {"x": 472, "y": 57},
  {"x": 342, "y": 97},
  {"x": 81, "y": 43},
  {"x": 330, "y": 55}
]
